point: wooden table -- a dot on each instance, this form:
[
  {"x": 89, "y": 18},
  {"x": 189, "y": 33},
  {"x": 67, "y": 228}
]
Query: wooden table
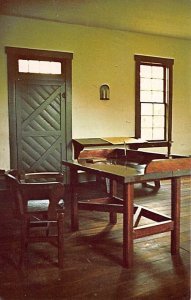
[
  {"x": 121, "y": 169},
  {"x": 130, "y": 142}
]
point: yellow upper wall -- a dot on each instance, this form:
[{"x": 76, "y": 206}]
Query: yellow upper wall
[{"x": 100, "y": 56}]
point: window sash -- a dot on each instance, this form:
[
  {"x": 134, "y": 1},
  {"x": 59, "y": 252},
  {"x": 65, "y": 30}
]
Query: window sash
[
  {"x": 39, "y": 66},
  {"x": 157, "y": 92}
]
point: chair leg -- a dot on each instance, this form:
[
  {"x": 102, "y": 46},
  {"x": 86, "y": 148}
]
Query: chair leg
[
  {"x": 61, "y": 240},
  {"x": 113, "y": 218},
  {"x": 157, "y": 184},
  {"x": 24, "y": 241},
  {"x": 155, "y": 187}
]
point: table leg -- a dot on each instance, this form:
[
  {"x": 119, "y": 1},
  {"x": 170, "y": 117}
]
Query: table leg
[
  {"x": 175, "y": 214},
  {"x": 128, "y": 196},
  {"x": 74, "y": 200},
  {"x": 113, "y": 192}
]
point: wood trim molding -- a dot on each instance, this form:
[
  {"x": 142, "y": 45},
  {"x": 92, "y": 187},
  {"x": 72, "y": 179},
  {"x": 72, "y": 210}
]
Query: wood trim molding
[{"x": 25, "y": 52}]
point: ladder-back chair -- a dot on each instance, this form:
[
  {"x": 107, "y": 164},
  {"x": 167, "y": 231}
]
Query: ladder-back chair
[{"x": 28, "y": 191}]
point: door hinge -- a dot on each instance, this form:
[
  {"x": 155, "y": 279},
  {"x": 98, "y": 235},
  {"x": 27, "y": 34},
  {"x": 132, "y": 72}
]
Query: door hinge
[{"x": 64, "y": 95}]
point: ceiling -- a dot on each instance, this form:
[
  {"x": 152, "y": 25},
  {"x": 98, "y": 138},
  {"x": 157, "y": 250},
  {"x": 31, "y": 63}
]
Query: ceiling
[{"x": 162, "y": 17}]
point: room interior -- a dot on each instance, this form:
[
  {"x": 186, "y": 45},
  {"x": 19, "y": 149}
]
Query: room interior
[{"x": 103, "y": 37}]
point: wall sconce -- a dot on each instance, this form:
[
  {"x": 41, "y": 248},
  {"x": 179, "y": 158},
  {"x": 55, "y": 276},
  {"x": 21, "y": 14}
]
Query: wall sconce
[{"x": 104, "y": 92}]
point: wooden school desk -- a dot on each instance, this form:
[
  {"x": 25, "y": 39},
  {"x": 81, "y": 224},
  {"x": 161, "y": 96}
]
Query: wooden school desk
[{"x": 128, "y": 170}]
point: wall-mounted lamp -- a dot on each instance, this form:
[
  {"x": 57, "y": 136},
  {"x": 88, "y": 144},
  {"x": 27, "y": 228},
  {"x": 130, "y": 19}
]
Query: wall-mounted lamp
[{"x": 104, "y": 92}]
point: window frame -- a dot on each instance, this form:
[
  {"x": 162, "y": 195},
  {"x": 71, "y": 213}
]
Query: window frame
[{"x": 166, "y": 63}]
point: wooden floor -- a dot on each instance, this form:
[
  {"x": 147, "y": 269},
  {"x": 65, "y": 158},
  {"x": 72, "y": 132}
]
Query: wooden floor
[{"x": 93, "y": 257}]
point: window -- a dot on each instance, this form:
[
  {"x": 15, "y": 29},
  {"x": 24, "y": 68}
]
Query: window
[
  {"x": 38, "y": 66},
  {"x": 153, "y": 98}
]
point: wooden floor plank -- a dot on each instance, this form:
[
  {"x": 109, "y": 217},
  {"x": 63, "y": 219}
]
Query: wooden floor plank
[{"x": 92, "y": 264}]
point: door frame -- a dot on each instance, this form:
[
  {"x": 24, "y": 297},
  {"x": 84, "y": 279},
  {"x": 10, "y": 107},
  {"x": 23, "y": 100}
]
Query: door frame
[{"x": 13, "y": 54}]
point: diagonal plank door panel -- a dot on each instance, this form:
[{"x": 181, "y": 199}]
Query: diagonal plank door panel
[{"x": 40, "y": 125}]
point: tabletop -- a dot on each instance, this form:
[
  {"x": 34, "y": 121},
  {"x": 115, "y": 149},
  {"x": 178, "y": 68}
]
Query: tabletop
[{"x": 125, "y": 171}]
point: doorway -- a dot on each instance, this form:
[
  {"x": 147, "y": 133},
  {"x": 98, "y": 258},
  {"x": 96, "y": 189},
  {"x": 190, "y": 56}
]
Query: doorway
[{"x": 40, "y": 109}]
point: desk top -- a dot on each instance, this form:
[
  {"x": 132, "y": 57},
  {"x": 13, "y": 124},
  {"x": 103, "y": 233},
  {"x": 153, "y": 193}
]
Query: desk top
[
  {"x": 88, "y": 142},
  {"x": 108, "y": 140},
  {"x": 111, "y": 142},
  {"x": 136, "y": 166}
]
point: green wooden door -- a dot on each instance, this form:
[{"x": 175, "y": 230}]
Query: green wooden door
[
  {"x": 40, "y": 109},
  {"x": 41, "y": 129}
]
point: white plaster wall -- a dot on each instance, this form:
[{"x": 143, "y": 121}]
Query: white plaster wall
[{"x": 100, "y": 56}]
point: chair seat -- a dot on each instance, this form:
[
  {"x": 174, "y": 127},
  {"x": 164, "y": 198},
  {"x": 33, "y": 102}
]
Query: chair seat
[{"x": 41, "y": 205}]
